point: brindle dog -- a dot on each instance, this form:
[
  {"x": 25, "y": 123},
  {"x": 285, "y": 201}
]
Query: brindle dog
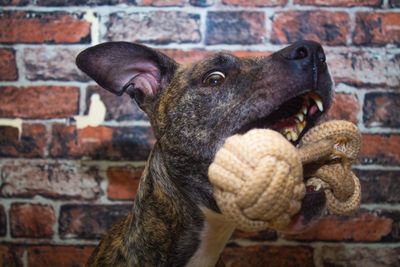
[{"x": 175, "y": 220}]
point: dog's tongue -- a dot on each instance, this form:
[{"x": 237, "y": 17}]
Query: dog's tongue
[{"x": 312, "y": 208}]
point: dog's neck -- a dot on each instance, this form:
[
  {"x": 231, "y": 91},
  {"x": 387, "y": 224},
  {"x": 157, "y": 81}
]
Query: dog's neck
[{"x": 168, "y": 226}]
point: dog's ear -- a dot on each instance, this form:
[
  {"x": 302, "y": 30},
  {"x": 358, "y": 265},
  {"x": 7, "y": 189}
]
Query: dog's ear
[{"x": 121, "y": 67}]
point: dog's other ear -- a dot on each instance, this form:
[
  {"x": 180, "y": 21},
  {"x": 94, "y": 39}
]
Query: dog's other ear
[{"x": 121, "y": 67}]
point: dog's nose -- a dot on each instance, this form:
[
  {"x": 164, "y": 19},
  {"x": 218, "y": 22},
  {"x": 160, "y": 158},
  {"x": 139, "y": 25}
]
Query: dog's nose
[
  {"x": 306, "y": 56},
  {"x": 305, "y": 51}
]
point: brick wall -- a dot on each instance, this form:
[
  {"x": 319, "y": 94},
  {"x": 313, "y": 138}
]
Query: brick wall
[{"x": 62, "y": 187}]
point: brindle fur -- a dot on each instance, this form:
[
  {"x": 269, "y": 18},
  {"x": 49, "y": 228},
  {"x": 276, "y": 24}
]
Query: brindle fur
[{"x": 190, "y": 121}]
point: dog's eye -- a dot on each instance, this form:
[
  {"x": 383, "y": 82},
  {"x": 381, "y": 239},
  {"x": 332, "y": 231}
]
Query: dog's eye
[{"x": 215, "y": 78}]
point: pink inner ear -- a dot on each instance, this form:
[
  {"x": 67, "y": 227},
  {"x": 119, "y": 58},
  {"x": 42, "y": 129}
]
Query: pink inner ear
[
  {"x": 147, "y": 83},
  {"x": 147, "y": 78}
]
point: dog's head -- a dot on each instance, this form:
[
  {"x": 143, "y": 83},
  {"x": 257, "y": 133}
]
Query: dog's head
[{"x": 194, "y": 108}]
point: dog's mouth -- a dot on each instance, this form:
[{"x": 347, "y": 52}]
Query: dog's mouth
[{"x": 293, "y": 119}]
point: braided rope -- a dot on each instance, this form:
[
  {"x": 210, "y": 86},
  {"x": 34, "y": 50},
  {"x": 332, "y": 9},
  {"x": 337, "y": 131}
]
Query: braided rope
[{"x": 258, "y": 177}]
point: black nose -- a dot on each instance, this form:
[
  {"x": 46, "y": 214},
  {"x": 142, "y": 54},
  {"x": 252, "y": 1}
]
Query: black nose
[
  {"x": 306, "y": 56},
  {"x": 306, "y": 51}
]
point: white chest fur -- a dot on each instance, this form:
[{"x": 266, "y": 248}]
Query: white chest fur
[{"x": 216, "y": 232}]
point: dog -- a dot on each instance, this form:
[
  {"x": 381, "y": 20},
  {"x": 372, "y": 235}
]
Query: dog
[{"x": 192, "y": 109}]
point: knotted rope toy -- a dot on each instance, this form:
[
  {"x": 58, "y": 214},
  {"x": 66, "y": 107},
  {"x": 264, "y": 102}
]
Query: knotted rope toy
[{"x": 258, "y": 177}]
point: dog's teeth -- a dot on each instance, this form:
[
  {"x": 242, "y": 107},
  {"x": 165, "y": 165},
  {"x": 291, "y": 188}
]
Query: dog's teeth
[
  {"x": 294, "y": 135},
  {"x": 300, "y": 116},
  {"x": 318, "y": 102},
  {"x": 300, "y": 126},
  {"x": 288, "y": 136},
  {"x": 304, "y": 110}
]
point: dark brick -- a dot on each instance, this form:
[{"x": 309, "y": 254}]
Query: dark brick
[
  {"x": 344, "y": 107},
  {"x": 39, "y": 102},
  {"x": 377, "y": 28},
  {"x": 202, "y": 3},
  {"x": 119, "y": 108},
  {"x": 43, "y": 27},
  {"x": 394, "y": 3},
  {"x": 374, "y": 226},
  {"x": 157, "y": 27},
  {"x": 123, "y": 182},
  {"x": 379, "y": 186},
  {"x": 271, "y": 256},
  {"x": 11, "y": 255},
  {"x": 60, "y": 256},
  {"x": 31, "y": 143},
  {"x": 8, "y": 67},
  {"x": 3, "y": 222},
  {"x": 264, "y": 235},
  {"x": 330, "y": 28},
  {"x": 162, "y": 2},
  {"x": 82, "y": 2},
  {"x": 89, "y": 221},
  {"x": 365, "y": 68},
  {"x": 51, "y": 179},
  {"x": 380, "y": 149},
  {"x": 344, "y": 3},
  {"x": 32, "y": 220},
  {"x": 342, "y": 256},
  {"x": 382, "y": 110},
  {"x": 112, "y": 143},
  {"x": 255, "y": 3},
  {"x": 243, "y": 27},
  {"x": 42, "y": 63}
]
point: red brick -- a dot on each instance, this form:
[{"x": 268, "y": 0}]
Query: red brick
[
  {"x": 264, "y": 235},
  {"x": 119, "y": 108},
  {"x": 190, "y": 56},
  {"x": 330, "y": 28},
  {"x": 38, "y": 102},
  {"x": 51, "y": 179},
  {"x": 243, "y": 27},
  {"x": 30, "y": 144},
  {"x": 344, "y": 107},
  {"x": 8, "y": 67},
  {"x": 14, "y": 3},
  {"x": 380, "y": 149},
  {"x": 43, "y": 27},
  {"x": 114, "y": 143},
  {"x": 377, "y": 28},
  {"x": 157, "y": 27},
  {"x": 11, "y": 255},
  {"x": 363, "y": 226},
  {"x": 3, "y": 222},
  {"x": 89, "y": 221},
  {"x": 359, "y": 256},
  {"x": 60, "y": 256},
  {"x": 260, "y": 3},
  {"x": 186, "y": 56},
  {"x": 365, "y": 68},
  {"x": 382, "y": 110},
  {"x": 162, "y": 3},
  {"x": 244, "y": 53},
  {"x": 43, "y": 63},
  {"x": 271, "y": 256},
  {"x": 32, "y": 220},
  {"x": 379, "y": 186},
  {"x": 123, "y": 182},
  {"x": 344, "y": 3}
]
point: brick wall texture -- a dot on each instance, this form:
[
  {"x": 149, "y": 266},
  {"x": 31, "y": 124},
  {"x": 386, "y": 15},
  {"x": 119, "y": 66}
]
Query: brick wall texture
[{"x": 62, "y": 187}]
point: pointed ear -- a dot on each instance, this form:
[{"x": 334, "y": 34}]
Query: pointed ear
[{"x": 121, "y": 67}]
